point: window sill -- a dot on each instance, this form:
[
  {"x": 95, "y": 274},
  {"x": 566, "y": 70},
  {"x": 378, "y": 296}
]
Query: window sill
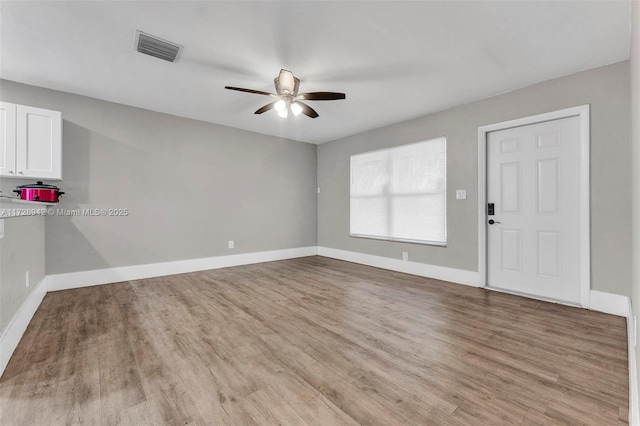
[{"x": 399, "y": 240}]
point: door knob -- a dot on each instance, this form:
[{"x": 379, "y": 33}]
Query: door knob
[{"x": 491, "y": 222}]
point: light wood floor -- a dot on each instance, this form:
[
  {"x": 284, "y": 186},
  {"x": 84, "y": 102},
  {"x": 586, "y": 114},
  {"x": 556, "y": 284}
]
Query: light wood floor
[{"x": 312, "y": 341}]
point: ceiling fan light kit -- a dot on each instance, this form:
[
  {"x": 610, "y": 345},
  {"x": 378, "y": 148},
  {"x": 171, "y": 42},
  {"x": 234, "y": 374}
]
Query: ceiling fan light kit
[
  {"x": 296, "y": 109},
  {"x": 287, "y": 86}
]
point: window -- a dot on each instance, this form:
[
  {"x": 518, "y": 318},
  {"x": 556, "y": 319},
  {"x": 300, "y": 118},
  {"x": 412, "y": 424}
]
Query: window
[{"x": 400, "y": 193}]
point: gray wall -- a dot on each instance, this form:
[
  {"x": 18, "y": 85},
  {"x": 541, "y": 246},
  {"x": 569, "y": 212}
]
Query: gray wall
[
  {"x": 635, "y": 163},
  {"x": 605, "y": 88},
  {"x": 21, "y": 250},
  {"x": 190, "y": 186}
]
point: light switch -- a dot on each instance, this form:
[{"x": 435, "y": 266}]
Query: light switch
[{"x": 461, "y": 194}]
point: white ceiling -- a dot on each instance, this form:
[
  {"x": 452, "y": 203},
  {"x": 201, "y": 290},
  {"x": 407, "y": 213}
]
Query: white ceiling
[{"x": 394, "y": 60}]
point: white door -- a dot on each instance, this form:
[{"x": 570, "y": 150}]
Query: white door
[
  {"x": 533, "y": 181},
  {"x": 39, "y": 143},
  {"x": 7, "y": 139}
]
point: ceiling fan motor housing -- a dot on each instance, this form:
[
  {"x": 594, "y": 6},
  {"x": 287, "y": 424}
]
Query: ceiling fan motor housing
[{"x": 286, "y": 84}]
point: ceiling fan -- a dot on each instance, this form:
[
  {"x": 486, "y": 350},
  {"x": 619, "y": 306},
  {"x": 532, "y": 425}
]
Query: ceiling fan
[{"x": 288, "y": 97}]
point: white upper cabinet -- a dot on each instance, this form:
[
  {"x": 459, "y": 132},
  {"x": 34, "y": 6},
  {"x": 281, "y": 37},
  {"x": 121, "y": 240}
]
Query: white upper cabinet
[
  {"x": 39, "y": 142},
  {"x": 7, "y": 139},
  {"x": 30, "y": 142}
]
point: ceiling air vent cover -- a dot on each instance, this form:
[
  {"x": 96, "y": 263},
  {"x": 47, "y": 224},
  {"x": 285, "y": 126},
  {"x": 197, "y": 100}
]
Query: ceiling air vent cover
[{"x": 156, "y": 47}]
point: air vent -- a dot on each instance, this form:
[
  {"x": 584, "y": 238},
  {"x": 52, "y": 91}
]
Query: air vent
[{"x": 156, "y": 47}]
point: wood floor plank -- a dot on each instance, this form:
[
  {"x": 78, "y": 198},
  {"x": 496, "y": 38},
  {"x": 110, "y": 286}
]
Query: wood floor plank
[
  {"x": 77, "y": 398},
  {"x": 34, "y": 394},
  {"x": 312, "y": 341},
  {"x": 168, "y": 399},
  {"x": 267, "y": 408},
  {"x": 536, "y": 418},
  {"x": 489, "y": 411},
  {"x": 311, "y": 405},
  {"x": 15, "y": 372}
]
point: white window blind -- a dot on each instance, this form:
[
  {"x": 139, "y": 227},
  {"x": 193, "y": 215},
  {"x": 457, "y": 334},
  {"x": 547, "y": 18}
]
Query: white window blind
[{"x": 400, "y": 193}]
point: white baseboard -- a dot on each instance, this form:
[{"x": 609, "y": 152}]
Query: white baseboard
[
  {"x": 459, "y": 276},
  {"x": 634, "y": 409},
  {"x": 609, "y": 303},
  {"x": 138, "y": 272},
  {"x": 18, "y": 325}
]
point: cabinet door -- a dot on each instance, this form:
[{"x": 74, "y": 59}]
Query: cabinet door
[
  {"x": 7, "y": 139},
  {"x": 39, "y": 143}
]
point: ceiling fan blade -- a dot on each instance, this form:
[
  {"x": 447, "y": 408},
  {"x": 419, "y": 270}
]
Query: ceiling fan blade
[
  {"x": 307, "y": 110},
  {"x": 265, "y": 108},
  {"x": 257, "y": 92},
  {"x": 321, "y": 96}
]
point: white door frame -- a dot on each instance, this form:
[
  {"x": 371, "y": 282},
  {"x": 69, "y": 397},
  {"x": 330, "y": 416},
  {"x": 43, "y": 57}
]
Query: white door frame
[{"x": 585, "y": 239}]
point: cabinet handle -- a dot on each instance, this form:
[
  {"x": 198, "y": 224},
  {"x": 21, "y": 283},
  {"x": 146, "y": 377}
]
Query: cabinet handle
[
  {"x": 20, "y": 173},
  {"x": 10, "y": 172}
]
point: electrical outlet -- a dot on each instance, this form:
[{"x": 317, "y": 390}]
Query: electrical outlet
[
  {"x": 318, "y": 190},
  {"x": 26, "y": 279},
  {"x": 231, "y": 244},
  {"x": 461, "y": 194},
  {"x": 405, "y": 255}
]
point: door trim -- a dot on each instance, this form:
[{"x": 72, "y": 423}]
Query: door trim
[{"x": 583, "y": 113}]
